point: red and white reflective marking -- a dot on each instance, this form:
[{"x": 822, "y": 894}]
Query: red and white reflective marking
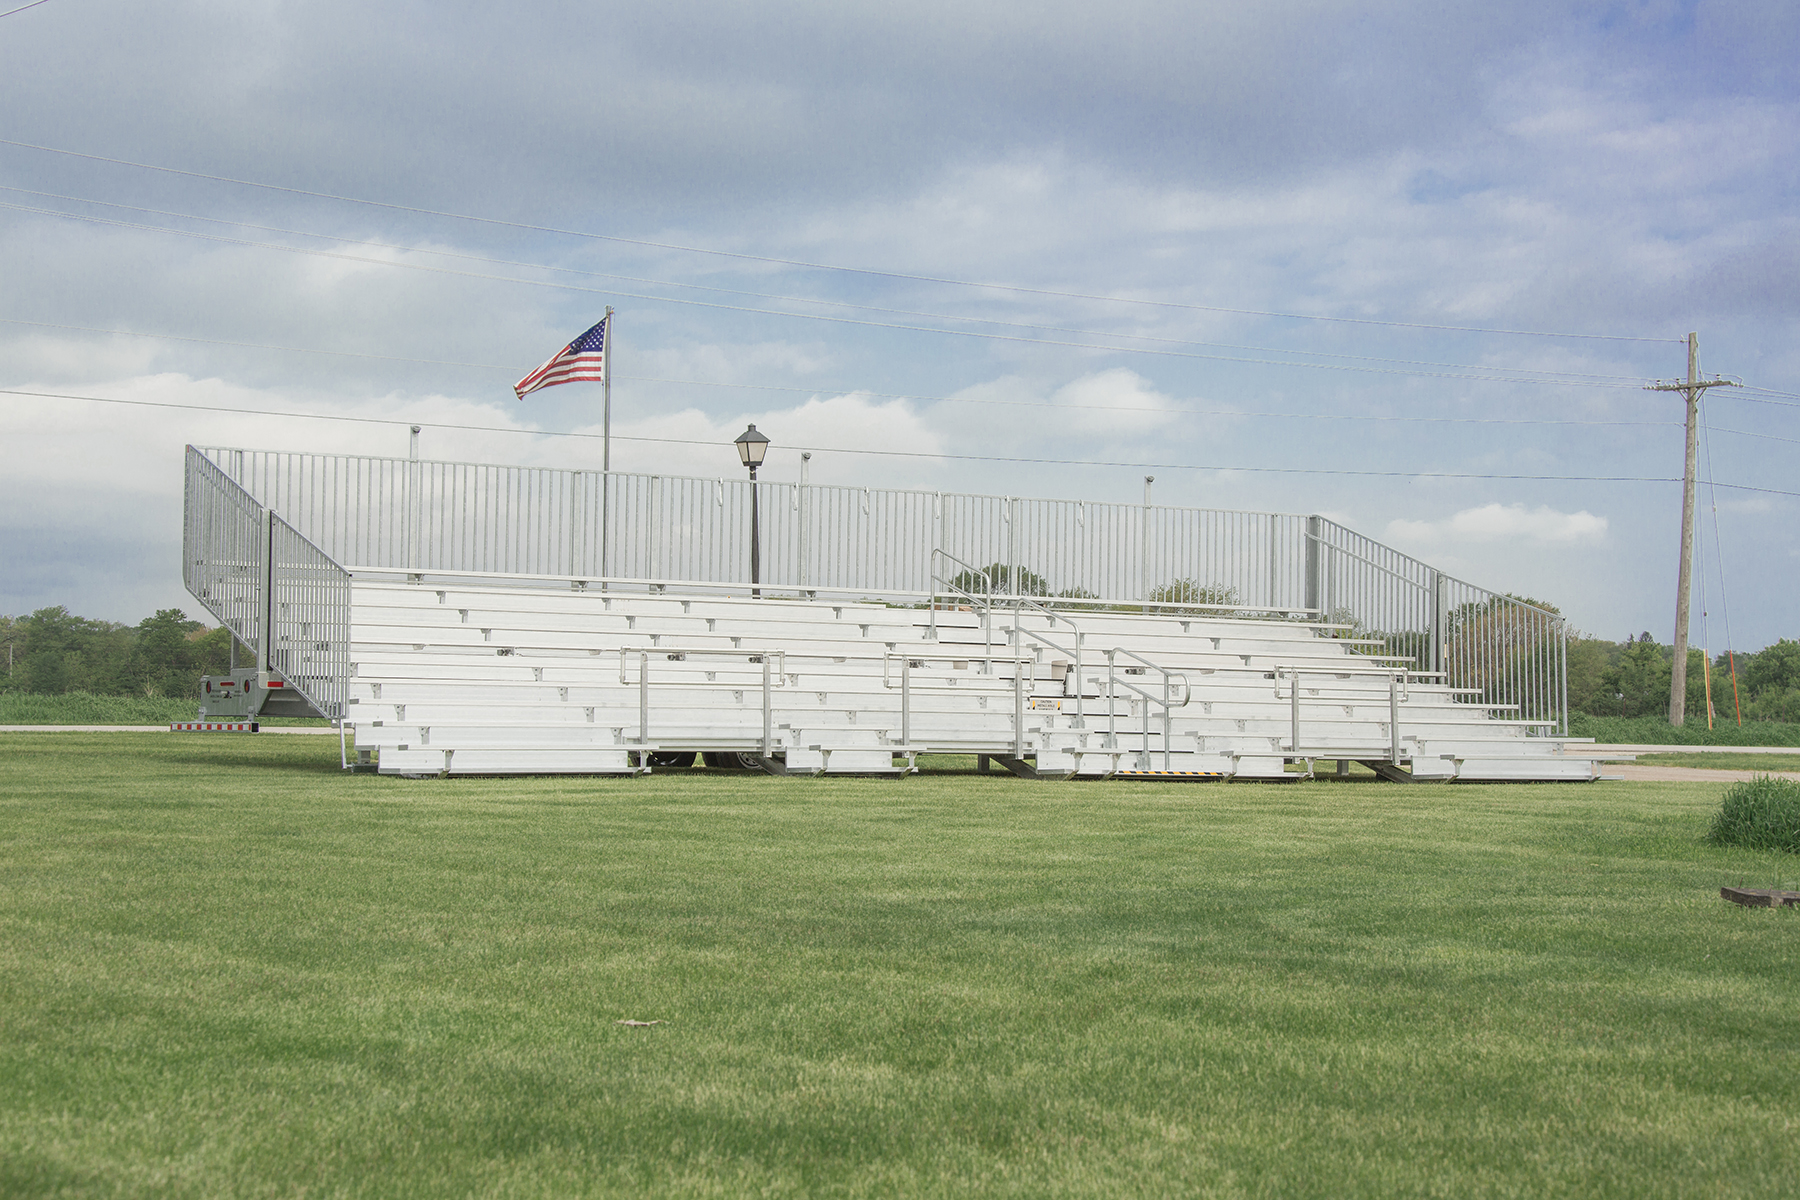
[{"x": 213, "y": 727}]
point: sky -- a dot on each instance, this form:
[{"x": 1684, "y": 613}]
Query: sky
[{"x": 1408, "y": 265}]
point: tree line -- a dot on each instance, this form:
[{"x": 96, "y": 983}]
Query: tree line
[
  {"x": 53, "y": 651},
  {"x": 1631, "y": 679}
]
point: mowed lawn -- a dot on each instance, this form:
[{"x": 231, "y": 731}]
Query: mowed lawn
[{"x": 226, "y": 969}]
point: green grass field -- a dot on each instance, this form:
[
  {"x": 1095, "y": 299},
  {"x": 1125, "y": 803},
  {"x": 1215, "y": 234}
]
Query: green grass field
[
  {"x": 226, "y": 969},
  {"x": 82, "y": 708},
  {"x": 1655, "y": 731}
]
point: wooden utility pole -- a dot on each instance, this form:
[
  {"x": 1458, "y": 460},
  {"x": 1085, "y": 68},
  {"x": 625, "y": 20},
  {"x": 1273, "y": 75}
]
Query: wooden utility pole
[{"x": 1693, "y": 387}]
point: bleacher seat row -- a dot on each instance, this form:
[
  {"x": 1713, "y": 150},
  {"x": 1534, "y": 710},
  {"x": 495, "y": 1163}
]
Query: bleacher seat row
[{"x": 520, "y": 680}]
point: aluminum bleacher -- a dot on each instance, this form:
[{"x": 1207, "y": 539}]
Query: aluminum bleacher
[{"x": 493, "y": 646}]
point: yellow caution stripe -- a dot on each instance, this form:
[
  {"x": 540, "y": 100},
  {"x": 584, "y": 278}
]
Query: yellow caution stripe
[{"x": 1173, "y": 774}]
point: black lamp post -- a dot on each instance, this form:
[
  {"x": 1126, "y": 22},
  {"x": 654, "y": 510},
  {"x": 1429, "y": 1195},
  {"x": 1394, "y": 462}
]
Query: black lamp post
[{"x": 751, "y": 447}]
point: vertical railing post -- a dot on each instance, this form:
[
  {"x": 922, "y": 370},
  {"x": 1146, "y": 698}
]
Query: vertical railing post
[
  {"x": 1112, "y": 706},
  {"x": 1168, "y": 720},
  {"x": 412, "y": 503},
  {"x": 643, "y": 698},
  {"x": 1394, "y": 719},
  {"x": 265, "y": 650},
  {"x": 768, "y": 710},
  {"x": 1562, "y": 674},
  {"x": 803, "y": 520},
  {"x": 937, "y": 537},
  {"x": 1274, "y": 563},
  {"x": 575, "y": 511},
  {"x": 1018, "y": 707},
  {"x": 1144, "y": 547},
  {"x": 1294, "y": 710},
  {"x": 1009, "y": 517},
  {"x": 1315, "y": 592},
  {"x": 906, "y": 701},
  {"x": 1437, "y": 662}
]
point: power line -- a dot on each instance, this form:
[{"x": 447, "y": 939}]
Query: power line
[
  {"x": 968, "y": 333},
  {"x": 34, "y": 3},
  {"x": 874, "y": 308},
  {"x": 1750, "y": 387},
  {"x": 1772, "y": 437},
  {"x": 923, "y": 399},
  {"x": 534, "y": 228},
  {"x": 1062, "y": 462},
  {"x": 856, "y": 391}
]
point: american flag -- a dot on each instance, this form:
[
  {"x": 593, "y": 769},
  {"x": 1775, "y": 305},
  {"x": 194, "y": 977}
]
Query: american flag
[{"x": 583, "y": 358}]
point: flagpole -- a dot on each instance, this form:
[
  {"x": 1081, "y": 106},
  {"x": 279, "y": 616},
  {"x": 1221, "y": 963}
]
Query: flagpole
[{"x": 606, "y": 445}]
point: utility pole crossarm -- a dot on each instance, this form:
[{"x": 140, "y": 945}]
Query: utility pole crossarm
[{"x": 1681, "y": 385}]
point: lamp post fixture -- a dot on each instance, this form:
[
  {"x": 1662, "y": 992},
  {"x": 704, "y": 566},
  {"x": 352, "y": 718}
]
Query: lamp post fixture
[{"x": 751, "y": 447}]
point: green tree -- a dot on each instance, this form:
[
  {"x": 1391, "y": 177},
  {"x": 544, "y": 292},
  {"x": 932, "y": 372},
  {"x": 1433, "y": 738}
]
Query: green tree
[
  {"x": 999, "y": 579},
  {"x": 1773, "y": 669},
  {"x": 1192, "y": 591},
  {"x": 163, "y": 659},
  {"x": 1639, "y": 681},
  {"x": 12, "y": 639},
  {"x": 1770, "y": 682},
  {"x": 1589, "y": 660},
  {"x": 67, "y": 653},
  {"x": 212, "y": 650}
]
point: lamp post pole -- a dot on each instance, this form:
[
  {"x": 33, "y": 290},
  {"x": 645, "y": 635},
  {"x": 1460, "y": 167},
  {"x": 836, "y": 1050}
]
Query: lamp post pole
[
  {"x": 752, "y": 447},
  {"x": 755, "y": 541}
]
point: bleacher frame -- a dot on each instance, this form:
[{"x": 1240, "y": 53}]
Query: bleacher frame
[{"x": 298, "y": 554}]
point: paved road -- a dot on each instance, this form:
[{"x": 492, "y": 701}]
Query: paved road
[
  {"x": 1668, "y": 773},
  {"x": 1655, "y": 772}
]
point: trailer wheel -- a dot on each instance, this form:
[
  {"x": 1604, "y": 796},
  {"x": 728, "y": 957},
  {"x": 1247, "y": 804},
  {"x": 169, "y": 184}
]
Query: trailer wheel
[
  {"x": 733, "y": 760},
  {"x": 672, "y": 759}
]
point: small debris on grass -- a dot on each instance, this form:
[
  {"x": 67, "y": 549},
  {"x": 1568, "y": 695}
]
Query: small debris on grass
[
  {"x": 639, "y": 1024},
  {"x": 1760, "y": 897}
]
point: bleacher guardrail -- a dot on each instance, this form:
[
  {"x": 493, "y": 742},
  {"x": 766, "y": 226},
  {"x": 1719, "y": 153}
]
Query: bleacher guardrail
[
  {"x": 419, "y": 517},
  {"x": 282, "y": 597}
]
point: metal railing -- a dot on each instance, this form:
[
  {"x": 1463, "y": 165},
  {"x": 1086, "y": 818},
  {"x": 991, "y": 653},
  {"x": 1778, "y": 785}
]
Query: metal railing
[
  {"x": 309, "y": 619},
  {"x": 419, "y": 517},
  {"x": 450, "y": 517},
  {"x": 281, "y": 597},
  {"x": 1506, "y": 653},
  {"x": 223, "y": 555},
  {"x": 1399, "y": 682},
  {"x": 1147, "y": 698}
]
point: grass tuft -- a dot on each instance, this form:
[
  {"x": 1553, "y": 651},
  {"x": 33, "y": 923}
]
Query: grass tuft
[{"x": 1761, "y": 813}]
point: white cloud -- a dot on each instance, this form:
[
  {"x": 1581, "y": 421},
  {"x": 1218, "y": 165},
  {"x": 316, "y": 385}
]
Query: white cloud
[
  {"x": 1106, "y": 406},
  {"x": 700, "y": 444},
  {"x": 1502, "y": 523}
]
